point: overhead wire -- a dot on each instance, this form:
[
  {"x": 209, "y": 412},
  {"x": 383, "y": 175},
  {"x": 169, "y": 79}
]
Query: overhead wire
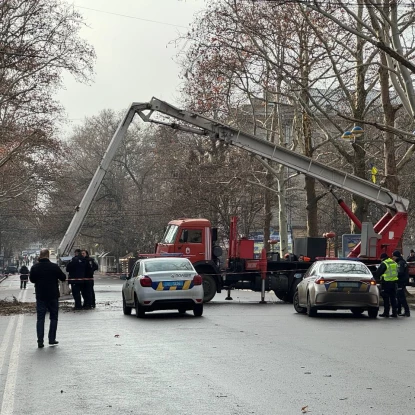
[{"x": 131, "y": 17}]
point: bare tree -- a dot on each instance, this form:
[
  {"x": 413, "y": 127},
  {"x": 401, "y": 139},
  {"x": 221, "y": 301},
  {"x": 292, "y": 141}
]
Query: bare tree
[{"x": 39, "y": 41}]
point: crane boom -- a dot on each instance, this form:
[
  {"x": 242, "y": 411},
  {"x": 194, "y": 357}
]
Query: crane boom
[
  {"x": 204, "y": 126},
  {"x": 82, "y": 209},
  {"x": 281, "y": 155}
]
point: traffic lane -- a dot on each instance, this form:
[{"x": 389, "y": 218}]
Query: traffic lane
[
  {"x": 241, "y": 357},
  {"x": 115, "y": 364},
  {"x": 10, "y": 288},
  {"x": 338, "y": 363}
]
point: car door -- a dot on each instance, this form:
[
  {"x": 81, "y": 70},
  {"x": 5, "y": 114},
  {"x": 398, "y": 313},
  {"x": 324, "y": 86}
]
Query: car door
[
  {"x": 310, "y": 289},
  {"x": 191, "y": 244},
  {"x": 129, "y": 286},
  {"x": 303, "y": 286}
]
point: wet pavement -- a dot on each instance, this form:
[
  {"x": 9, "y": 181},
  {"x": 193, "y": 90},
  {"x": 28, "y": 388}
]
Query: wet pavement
[{"x": 241, "y": 357}]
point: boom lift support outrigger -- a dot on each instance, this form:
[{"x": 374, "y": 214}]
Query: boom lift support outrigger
[{"x": 384, "y": 236}]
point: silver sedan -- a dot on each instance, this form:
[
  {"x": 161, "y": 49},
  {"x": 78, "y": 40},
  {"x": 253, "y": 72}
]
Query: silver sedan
[{"x": 337, "y": 284}]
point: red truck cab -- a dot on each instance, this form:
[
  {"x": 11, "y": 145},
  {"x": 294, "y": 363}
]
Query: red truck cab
[
  {"x": 190, "y": 238},
  {"x": 195, "y": 239}
]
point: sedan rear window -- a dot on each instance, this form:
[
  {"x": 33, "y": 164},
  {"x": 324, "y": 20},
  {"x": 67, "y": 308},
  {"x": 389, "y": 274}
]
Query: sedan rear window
[
  {"x": 157, "y": 266},
  {"x": 342, "y": 268}
]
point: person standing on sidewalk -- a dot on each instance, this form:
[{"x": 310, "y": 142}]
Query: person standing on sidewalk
[
  {"x": 93, "y": 266},
  {"x": 45, "y": 275},
  {"x": 388, "y": 274},
  {"x": 24, "y": 276},
  {"x": 78, "y": 270},
  {"x": 403, "y": 278}
]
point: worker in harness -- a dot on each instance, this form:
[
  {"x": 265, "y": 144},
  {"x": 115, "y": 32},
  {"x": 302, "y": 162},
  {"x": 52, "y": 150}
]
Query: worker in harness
[{"x": 388, "y": 274}]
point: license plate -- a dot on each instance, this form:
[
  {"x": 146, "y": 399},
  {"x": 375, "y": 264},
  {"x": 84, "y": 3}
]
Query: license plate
[
  {"x": 348, "y": 284},
  {"x": 173, "y": 283}
]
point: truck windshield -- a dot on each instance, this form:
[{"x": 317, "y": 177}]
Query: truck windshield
[{"x": 170, "y": 234}]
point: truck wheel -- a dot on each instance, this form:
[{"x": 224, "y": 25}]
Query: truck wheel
[
  {"x": 297, "y": 307},
  {"x": 209, "y": 287},
  {"x": 282, "y": 295}
]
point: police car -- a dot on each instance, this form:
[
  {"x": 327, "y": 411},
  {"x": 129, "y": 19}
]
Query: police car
[{"x": 163, "y": 284}]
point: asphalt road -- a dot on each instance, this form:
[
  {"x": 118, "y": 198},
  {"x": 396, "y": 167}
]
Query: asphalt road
[{"x": 241, "y": 357}]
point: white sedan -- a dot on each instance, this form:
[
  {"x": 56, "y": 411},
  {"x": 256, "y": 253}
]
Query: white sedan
[
  {"x": 337, "y": 285},
  {"x": 163, "y": 284}
]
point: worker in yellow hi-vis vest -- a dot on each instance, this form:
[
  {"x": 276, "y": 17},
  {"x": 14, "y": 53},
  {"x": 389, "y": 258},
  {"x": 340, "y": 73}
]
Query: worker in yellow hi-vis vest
[{"x": 388, "y": 274}]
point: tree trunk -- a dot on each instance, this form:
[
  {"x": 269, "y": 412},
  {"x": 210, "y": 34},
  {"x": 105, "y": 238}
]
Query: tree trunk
[{"x": 391, "y": 177}]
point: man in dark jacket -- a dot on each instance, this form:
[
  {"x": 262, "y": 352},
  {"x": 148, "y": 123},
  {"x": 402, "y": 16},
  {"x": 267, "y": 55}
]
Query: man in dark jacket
[
  {"x": 93, "y": 266},
  {"x": 78, "y": 271},
  {"x": 403, "y": 278},
  {"x": 45, "y": 275},
  {"x": 24, "y": 276}
]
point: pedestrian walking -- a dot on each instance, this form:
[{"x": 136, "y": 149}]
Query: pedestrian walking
[
  {"x": 403, "y": 278},
  {"x": 78, "y": 270},
  {"x": 45, "y": 275},
  {"x": 24, "y": 276},
  {"x": 388, "y": 274},
  {"x": 411, "y": 256},
  {"x": 93, "y": 266}
]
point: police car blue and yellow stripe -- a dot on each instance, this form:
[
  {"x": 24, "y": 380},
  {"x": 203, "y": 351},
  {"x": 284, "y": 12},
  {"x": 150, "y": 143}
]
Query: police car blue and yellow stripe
[{"x": 172, "y": 285}]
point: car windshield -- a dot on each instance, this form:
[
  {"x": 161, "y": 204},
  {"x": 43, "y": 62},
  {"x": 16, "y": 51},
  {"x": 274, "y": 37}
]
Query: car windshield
[
  {"x": 343, "y": 268},
  {"x": 173, "y": 265},
  {"x": 170, "y": 234}
]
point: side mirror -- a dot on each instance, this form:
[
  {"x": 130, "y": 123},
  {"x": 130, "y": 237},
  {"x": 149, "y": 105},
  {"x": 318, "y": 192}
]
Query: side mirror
[{"x": 123, "y": 277}]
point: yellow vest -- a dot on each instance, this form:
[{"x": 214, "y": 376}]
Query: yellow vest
[{"x": 391, "y": 273}]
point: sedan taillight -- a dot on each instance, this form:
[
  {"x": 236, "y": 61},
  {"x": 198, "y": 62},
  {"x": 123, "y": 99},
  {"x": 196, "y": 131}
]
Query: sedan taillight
[
  {"x": 322, "y": 280},
  {"x": 197, "y": 280},
  {"x": 145, "y": 281},
  {"x": 370, "y": 281}
]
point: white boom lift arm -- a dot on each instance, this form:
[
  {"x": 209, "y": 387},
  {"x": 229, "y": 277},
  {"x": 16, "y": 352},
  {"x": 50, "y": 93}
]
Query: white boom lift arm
[{"x": 198, "y": 124}]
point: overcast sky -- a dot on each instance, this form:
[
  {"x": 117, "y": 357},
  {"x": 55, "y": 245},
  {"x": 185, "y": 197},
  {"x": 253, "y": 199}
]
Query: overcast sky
[{"x": 135, "y": 60}]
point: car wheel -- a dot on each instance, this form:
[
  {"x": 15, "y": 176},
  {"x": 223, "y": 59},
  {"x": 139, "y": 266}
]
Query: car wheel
[
  {"x": 297, "y": 307},
  {"x": 357, "y": 311},
  {"x": 290, "y": 296},
  {"x": 125, "y": 309},
  {"x": 311, "y": 311},
  {"x": 198, "y": 310},
  {"x": 182, "y": 311},
  {"x": 373, "y": 312},
  {"x": 139, "y": 311},
  {"x": 209, "y": 287}
]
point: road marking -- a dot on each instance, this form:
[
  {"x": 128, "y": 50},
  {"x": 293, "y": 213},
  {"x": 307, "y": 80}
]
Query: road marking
[
  {"x": 10, "y": 387},
  {"x": 6, "y": 340}
]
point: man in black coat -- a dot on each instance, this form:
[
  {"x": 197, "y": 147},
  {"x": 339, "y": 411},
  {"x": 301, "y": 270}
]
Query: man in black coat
[
  {"x": 78, "y": 270},
  {"x": 403, "y": 276},
  {"x": 45, "y": 275},
  {"x": 24, "y": 276},
  {"x": 93, "y": 266}
]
